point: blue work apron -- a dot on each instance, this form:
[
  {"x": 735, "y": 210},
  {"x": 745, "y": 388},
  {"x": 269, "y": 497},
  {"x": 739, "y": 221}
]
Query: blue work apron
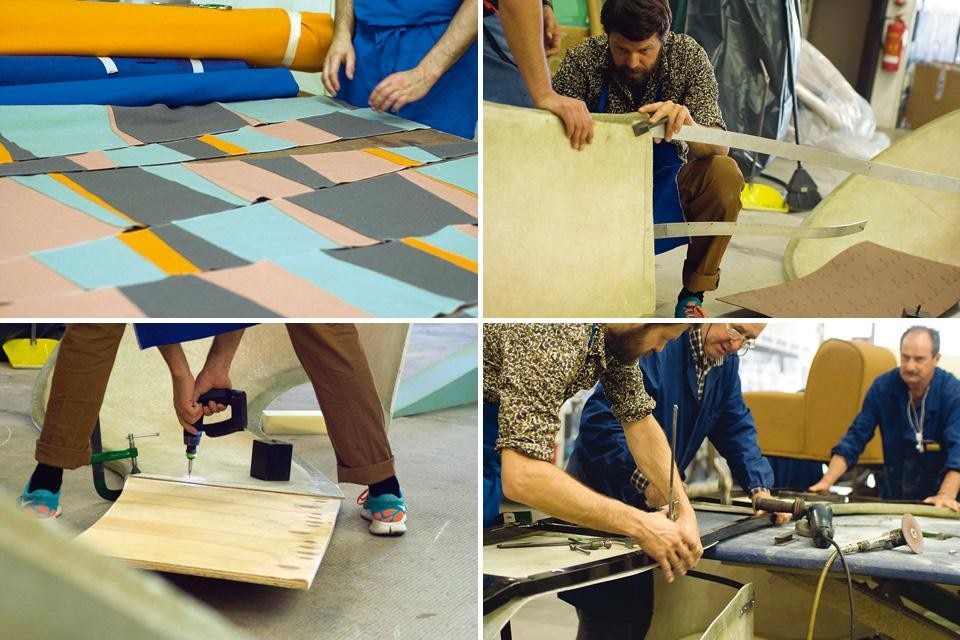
[
  {"x": 666, "y": 167},
  {"x": 152, "y": 335}
]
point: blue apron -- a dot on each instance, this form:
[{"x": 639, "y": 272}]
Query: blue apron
[
  {"x": 666, "y": 166},
  {"x": 152, "y": 335}
]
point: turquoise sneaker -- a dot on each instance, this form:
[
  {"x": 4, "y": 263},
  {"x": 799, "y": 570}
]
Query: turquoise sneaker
[
  {"x": 690, "y": 308},
  {"x": 386, "y": 513},
  {"x": 40, "y": 504}
]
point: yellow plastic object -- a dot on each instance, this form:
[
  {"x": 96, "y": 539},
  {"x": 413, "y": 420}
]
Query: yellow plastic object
[
  {"x": 67, "y": 27},
  {"x": 760, "y": 197},
  {"x": 24, "y": 353}
]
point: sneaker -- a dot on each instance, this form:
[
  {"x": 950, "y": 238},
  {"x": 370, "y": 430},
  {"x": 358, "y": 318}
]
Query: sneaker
[
  {"x": 691, "y": 307},
  {"x": 386, "y": 513},
  {"x": 40, "y": 504}
]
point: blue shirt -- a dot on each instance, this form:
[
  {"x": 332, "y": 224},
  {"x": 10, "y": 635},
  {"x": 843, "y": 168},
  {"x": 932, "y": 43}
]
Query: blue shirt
[
  {"x": 602, "y": 460},
  {"x": 908, "y": 474}
]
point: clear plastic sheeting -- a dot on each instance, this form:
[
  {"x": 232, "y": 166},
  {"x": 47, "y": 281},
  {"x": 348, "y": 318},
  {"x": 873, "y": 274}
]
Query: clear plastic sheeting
[
  {"x": 833, "y": 115},
  {"x": 935, "y": 37}
]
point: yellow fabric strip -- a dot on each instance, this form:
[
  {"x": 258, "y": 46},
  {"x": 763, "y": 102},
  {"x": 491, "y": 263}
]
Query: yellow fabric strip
[
  {"x": 150, "y": 246},
  {"x": 223, "y": 145},
  {"x": 5, "y": 156},
  {"x": 73, "y": 186},
  {"x": 426, "y": 247},
  {"x": 394, "y": 158}
]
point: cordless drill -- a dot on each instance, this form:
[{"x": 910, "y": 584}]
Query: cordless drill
[
  {"x": 236, "y": 400},
  {"x": 819, "y": 516}
]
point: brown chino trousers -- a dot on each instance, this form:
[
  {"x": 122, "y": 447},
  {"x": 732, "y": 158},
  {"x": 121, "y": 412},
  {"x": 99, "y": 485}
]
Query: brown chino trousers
[
  {"x": 709, "y": 192},
  {"x": 331, "y": 355}
]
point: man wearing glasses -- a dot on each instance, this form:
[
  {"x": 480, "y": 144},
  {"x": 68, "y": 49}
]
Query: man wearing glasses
[{"x": 700, "y": 374}]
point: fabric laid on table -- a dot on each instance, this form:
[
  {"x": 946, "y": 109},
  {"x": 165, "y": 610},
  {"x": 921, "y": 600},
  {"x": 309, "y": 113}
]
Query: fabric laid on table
[
  {"x": 248, "y": 181},
  {"x": 348, "y": 126},
  {"x": 15, "y": 70},
  {"x": 101, "y": 263},
  {"x": 348, "y": 166},
  {"x": 61, "y": 189},
  {"x": 461, "y": 173},
  {"x": 463, "y": 200},
  {"x": 198, "y": 251},
  {"x": 190, "y": 297},
  {"x": 261, "y": 37},
  {"x": 456, "y": 243},
  {"x": 159, "y": 123},
  {"x": 179, "y": 173},
  {"x": 291, "y": 169},
  {"x": 10, "y": 152},
  {"x": 272, "y": 111},
  {"x": 451, "y": 150},
  {"x": 54, "y": 131}
]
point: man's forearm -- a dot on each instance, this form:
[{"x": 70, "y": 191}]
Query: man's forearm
[
  {"x": 523, "y": 26},
  {"x": 343, "y": 18},
  {"x": 456, "y": 39},
  {"x": 223, "y": 349},
  {"x": 651, "y": 451},
  {"x": 951, "y": 484},
  {"x": 176, "y": 360},
  {"x": 836, "y": 469}
]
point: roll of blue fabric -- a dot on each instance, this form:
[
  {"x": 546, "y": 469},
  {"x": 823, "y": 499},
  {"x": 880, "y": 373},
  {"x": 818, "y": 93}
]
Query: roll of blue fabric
[
  {"x": 176, "y": 90},
  {"x": 16, "y": 70}
]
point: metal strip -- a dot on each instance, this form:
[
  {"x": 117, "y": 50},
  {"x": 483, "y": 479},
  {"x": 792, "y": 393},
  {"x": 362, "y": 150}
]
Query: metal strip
[{"x": 695, "y": 229}]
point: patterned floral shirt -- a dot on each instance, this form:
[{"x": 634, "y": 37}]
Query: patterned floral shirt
[
  {"x": 531, "y": 369},
  {"x": 684, "y": 71}
]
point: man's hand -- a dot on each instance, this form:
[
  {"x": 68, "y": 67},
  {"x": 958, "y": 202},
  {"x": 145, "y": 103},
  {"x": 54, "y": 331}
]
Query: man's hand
[
  {"x": 945, "y": 501},
  {"x": 677, "y": 115},
  {"x": 576, "y": 118},
  {"x": 821, "y": 487},
  {"x": 184, "y": 402},
  {"x": 400, "y": 89},
  {"x": 211, "y": 377},
  {"x": 551, "y": 31},
  {"x": 779, "y": 518},
  {"x": 670, "y": 544},
  {"x": 340, "y": 53}
]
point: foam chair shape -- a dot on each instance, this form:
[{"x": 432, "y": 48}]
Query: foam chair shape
[{"x": 809, "y": 424}]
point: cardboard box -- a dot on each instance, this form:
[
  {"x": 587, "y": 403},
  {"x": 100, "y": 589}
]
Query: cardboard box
[{"x": 935, "y": 91}]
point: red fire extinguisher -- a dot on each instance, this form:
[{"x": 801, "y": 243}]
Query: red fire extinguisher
[{"x": 893, "y": 44}]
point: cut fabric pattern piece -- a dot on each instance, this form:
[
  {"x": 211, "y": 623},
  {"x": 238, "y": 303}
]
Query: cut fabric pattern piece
[
  {"x": 10, "y": 152},
  {"x": 341, "y": 235},
  {"x": 46, "y": 131},
  {"x": 249, "y": 140},
  {"x": 159, "y": 123},
  {"x": 466, "y": 202},
  {"x": 416, "y": 155},
  {"x": 348, "y": 126},
  {"x": 189, "y": 296},
  {"x": 348, "y": 166},
  {"x": 280, "y": 110},
  {"x": 63, "y": 191},
  {"x": 451, "y": 150},
  {"x": 83, "y": 304},
  {"x": 387, "y": 119},
  {"x": 181, "y": 174},
  {"x": 101, "y": 263},
  {"x": 292, "y": 169},
  {"x": 150, "y": 246},
  {"x": 198, "y": 251},
  {"x": 148, "y": 154},
  {"x": 461, "y": 173},
  {"x": 459, "y": 241},
  {"x": 247, "y": 181}
]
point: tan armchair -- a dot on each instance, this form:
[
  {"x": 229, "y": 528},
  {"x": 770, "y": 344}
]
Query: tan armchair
[{"x": 807, "y": 425}]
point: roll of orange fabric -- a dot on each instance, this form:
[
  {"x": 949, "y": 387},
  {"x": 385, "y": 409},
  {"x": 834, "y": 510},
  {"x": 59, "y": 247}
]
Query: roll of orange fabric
[{"x": 261, "y": 37}]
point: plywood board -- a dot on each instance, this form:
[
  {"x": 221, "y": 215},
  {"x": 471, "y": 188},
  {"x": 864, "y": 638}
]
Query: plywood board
[
  {"x": 566, "y": 233},
  {"x": 230, "y": 533}
]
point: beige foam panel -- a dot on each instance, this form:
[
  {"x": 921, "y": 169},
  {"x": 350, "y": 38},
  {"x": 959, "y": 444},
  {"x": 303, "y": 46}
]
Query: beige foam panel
[
  {"x": 139, "y": 400},
  {"x": 279, "y": 422},
  {"x": 921, "y": 222},
  {"x": 566, "y": 233}
]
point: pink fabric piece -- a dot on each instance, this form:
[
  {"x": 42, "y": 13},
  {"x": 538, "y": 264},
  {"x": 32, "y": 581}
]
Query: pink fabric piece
[
  {"x": 25, "y": 277},
  {"x": 129, "y": 139},
  {"x": 100, "y": 303},
  {"x": 93, "y": 160},
  {"x": 325, "y": 226},
  {"x": 458, "y": 198},
  {"x": 32, "y": 221},
  {"x": 468, "y": 229},
  {"x": 298, "y": 133},
  {"x": 289, "y": 295},
  {"x": 347, "y": 166},
  {"x": 246, "y": 180}
]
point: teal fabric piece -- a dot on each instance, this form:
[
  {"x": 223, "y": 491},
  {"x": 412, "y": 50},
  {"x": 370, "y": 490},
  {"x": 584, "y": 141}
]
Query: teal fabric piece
[
  {"x": 373, "y": 292},
  {"x": 454, "y": 241},
  {"x": 461, "y": 172},
  {"x": 101, "y": 263},
  {"x": 181, "y": 175},
  {"x": 59, "y": 130},
  {"x": 413, "y": 153},
  {"x": 256, "y": 232},
  {"x": 51, "y": 188},
  {"x": 387, "y": 118},
  {"x": 147, "y": 154},
  {"x": 254, "y": 141},
  {"x": 283, "y": 109}
]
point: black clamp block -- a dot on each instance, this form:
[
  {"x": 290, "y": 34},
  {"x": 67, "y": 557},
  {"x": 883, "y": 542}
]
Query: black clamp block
[{"x": 271, "y": 460}]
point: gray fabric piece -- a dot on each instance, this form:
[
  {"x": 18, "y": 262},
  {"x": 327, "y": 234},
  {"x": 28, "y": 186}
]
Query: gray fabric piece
[
  {"x": 40, "y": 165},
  {"x": 292, "y": 170},
  {"x": 348, "y": 127},
  {"x": 160, "y": 123},
  {"x": 451, "y": 150},
  {"x": 148, "y": 198},
  {"x": 17, "y": 152},
  {"x": 192, "y": 297},
  {"x": 384, "y": 207},
  {"x": 195, "y": 149},
  {"x": 197, "y": 250},
  {"x": 413, "y": 266}
]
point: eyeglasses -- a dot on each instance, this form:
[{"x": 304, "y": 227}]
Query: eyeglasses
[{"x": 745, "y": 343}]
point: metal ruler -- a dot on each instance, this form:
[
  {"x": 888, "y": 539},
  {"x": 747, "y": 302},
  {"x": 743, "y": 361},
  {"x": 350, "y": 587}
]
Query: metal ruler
[
  {"x": 694, "y": 229},
  {"x": 870, "y": 168}
]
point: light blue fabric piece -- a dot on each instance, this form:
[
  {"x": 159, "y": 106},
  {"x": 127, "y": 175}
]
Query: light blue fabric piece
[
  {"x": 181, "y": 175},
  {"x": 61, "y": 193},
  {"x": 461, "y": 172},
  {"x": 373, "y": 292},
  {"x": 59, "y": 130},
  {"x": 454, "y": 241},
  {"x": 147, "y": 154},
  {"x": 386, "y": 118},
  {"x": 413, "y": 153},
  {"x": 283, "y": 109},
  {"x": 254, "y": 141},
  {"x": 256, "y": 232},
  {"x": 107, "y": 262}
]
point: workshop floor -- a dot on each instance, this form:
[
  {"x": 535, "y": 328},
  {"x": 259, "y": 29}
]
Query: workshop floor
[{"x": 420, "y": 585}]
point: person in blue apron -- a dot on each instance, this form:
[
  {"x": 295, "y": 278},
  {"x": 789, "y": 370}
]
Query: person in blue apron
[
  {"x": 639, "y": 65},
  {"x": 529, "y": 370},
  {"x": 331, "y": 355},
  {"x": 523, "y": 80},
  {"x": 917, "y": 407},
  {"x": 415, "y": 59},
  {"x": 700, "y": 373}
]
